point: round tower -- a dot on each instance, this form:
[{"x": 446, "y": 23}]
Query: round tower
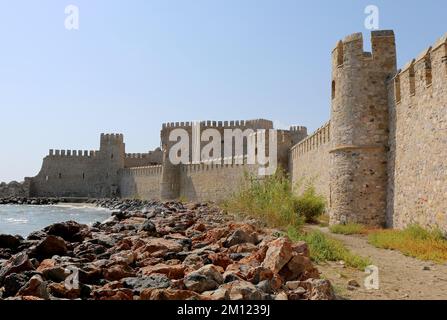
[{"x": 359, "y": 123}]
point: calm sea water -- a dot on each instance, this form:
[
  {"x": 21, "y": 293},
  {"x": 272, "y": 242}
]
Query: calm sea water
[{"x": 22, "y": 220}]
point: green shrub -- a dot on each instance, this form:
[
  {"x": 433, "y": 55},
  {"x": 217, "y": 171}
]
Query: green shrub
[
  {"x": 310, "y": 205},
  {"x": 414, "y": 241},
  {"x": 322, "y": 248},
  {"x": 269, "y": 199}
]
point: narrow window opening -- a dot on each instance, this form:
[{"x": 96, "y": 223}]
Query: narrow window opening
[
  {"x": 333, "y": 89},
  {"x": 428, "y": 74},
  {"x": 412, "y": 80},
  {"x": 60, "y": 175},
  {"x": 397, "y": 93}
]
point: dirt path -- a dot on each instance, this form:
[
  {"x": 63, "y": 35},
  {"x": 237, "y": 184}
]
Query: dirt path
[{"x": 400, "y": 277}]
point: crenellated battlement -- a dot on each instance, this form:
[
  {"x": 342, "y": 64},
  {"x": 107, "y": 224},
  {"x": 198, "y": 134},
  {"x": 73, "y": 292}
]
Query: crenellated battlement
[
  {"x": 112, "y": 138},
  {"x": 320, "y": 137},
  {"x": 215, "y": 164},
  {"x": 142, "y": 171},
  {"x": 257, "y": 123},
  {"x": 137, "y": 155},
  {"x": 73, "y": 153},
  {"x": 350, "y": 51},
  {"x": 418, "y": 75},
  {"x": 298, "y": 129}
]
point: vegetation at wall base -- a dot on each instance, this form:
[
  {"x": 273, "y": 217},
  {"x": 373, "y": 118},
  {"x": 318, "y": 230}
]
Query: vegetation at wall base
[
  {"x": 414, "y": 241},
  {"x": 323, "y": 248},
  {"x": 348, "y": 229},
  {"x": 272, "y": 201}
]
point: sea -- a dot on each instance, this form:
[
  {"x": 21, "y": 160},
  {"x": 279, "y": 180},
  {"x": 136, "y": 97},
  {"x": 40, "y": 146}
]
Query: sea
[{"x": 23, "y": 219}]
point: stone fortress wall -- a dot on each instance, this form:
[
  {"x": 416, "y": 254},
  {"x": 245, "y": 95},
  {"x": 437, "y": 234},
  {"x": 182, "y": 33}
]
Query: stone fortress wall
[
  {"x": 417, "y": 170},
  {"x": 380, "y": 160},
  {"x": 310, "y": 163}
]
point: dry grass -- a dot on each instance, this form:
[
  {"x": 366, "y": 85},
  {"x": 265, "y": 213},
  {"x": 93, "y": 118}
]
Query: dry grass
[
  {"x": 348, "y": 229},
  {"x": 414, "y": 241}
]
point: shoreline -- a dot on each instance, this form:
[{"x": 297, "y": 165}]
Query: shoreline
[{"x": 149, "y": 250}]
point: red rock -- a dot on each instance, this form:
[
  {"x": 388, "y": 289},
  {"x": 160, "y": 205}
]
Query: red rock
[
  {"x": 242, "y": 290},
  {"x": 116, "y": 294},
  {"x": 220, "y": 259},
  {"x": 243, "y": 248},
  {"x": 278, "y": 254},
  {"x": 49, "y": 247},
  {"x": 259, "y": 274},
  {"x": 168, "y": 294},
  {"x": 299, "y": 268},
  {"x": 301, "y": 248},
  {"x": 17, "y": 264},
  {"x": 59, "y": 290},
  {"x": 157, "y": 245},
  {"x": 318, "y": 289},
  {"x": 118, "y": 272},
  {"x": 173, "y": 272},
  {"x": 46, "y": 264},
  {"x": 35, "y": 287}
]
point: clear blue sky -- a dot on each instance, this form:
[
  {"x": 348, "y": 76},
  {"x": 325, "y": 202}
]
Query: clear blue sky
[{"x": 136, "y": 64}]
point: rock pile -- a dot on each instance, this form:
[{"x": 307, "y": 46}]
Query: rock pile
[
  {"x": 29, "y": 201},
  {"x": 14, "y": 189},
  {"x": 158, "y": 251}
]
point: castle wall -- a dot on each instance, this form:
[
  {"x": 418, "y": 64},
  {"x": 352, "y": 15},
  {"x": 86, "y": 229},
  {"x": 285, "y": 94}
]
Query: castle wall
[
  {"x": 201, "y": 182},
  {"x": 68, "y": 175},
  {"x": 310, "y": 163},
  {"x": 417, "y": 185},
  {"x": 77, "y": 173},
  {"x": 141, "y": 183}
]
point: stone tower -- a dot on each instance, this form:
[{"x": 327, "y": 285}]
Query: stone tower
[
  {"x": 359, "y": 122},
  {"x": 112, "y": 157}
]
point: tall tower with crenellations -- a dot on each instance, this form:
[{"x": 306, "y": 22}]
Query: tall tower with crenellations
[{"x": 359, "y": 122}]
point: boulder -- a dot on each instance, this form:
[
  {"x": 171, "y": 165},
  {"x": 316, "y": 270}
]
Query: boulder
[
  {"x": 9, "y": 242},
  {"x": 70, "y": 231},
  {"x": 171, "y": 271},
  {"x": 243, "y": 290},
  {"x": 168, "y": 294},
  {"x": 239, "y": 237},
  {"x": 278, "y": 254},
  {"x": 206, "y": 278},
  {"x": 296, "y": 267},
  {"x": 49, "y": 247},
  {"x": 59, "y": 290},
  {"x": 35, "y": 287},
  {"x": 118, "y": 272},
  {"x": 159, "y": 246},
  {"x": 113, "y": 294},
  {"x": 193, "y": 262},
  {"x": 259, "y": 274},
  {"x": 318, "y": 289},
  {"x": 13, "y": 283},
  {"x": 17, "y": 264},
  {"x": 154, "y": 281},
  {"x": 149, "y": 227}
]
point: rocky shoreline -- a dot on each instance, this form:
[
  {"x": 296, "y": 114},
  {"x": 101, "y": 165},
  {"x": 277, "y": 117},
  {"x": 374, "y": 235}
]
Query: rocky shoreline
[
  {"x": 158, "y": 251},
  {"x": 30, "y": 201}
]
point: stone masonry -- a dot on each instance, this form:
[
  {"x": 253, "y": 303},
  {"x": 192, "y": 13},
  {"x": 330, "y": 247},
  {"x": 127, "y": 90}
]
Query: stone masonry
[{"x": 379, "y": 161}]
